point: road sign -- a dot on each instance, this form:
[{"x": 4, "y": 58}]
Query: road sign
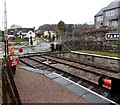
[
  {"x": 112, "y": 36},
  {"x": 14, "y": 60}
]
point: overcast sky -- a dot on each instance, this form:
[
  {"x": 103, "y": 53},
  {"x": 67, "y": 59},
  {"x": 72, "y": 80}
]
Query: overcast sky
[{"x": 33, "y": 13}]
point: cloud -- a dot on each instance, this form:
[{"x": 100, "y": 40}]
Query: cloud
[{"x": 30, "y": 13}]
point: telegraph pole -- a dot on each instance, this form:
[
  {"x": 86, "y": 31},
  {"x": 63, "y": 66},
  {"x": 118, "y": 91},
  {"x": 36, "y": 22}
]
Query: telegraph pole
[{"x": 5, "y": 29}]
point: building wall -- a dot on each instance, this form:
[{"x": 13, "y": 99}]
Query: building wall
[
  {"x": 108, "y": 14},
  {"x": 98, "y": 22},
  {"x": 119, "y": 19}
]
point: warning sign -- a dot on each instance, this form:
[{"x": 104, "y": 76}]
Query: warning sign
[{"x": 14, "y": 60}]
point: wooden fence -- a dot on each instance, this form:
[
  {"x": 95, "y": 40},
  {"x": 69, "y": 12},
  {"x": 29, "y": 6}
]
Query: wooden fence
[{"x": 10, "y": 92}]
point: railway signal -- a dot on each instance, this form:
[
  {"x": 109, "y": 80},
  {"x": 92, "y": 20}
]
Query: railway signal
[
  {"x": 113, "y": 82},
  {"x": 9, "y": 44},
  {"x": 20, "y": 50},
  {"x": 104, "y": 81}
]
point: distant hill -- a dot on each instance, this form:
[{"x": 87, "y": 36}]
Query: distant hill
[
  {"x": 48, "y": 27},
  {"x": 69, "y": 27}
]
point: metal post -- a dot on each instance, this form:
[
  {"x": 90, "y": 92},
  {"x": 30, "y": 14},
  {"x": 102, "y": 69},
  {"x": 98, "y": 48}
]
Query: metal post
[{"x": 5, "y": 29}]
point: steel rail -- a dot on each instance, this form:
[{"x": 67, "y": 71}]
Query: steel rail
[
  {"x": 87, "y": 70},
  {"x": 83, "y": 78}
]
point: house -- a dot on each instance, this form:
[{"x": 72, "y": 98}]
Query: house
[
  {"x": 49, "y": 35},
  {"x": 108, "y": 16},
  {"x": 25, "y": 32}
]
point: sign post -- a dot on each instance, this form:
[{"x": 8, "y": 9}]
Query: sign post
[{"x": 14, "y": 60}]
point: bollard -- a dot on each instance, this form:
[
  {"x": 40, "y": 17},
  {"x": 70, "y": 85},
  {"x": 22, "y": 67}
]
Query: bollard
[
  {"x": 31, "y": 42},
  {"x": 52, "y": 47},
  {"x": 60, "y": 47},
  {"x": 57, "y": 47}
]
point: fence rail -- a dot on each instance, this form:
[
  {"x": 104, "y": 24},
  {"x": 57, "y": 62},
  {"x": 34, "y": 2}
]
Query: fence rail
[{"x": 9, "y": 84}]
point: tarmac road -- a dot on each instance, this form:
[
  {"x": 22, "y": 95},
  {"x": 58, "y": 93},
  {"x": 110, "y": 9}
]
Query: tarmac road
[{"x": 40, "y": 47}]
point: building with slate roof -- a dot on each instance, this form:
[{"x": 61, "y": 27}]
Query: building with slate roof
[
  {"x": 108, "y": 16},
  {"x": 23, "y": 32},
  {"x": 28, "y": 33}
]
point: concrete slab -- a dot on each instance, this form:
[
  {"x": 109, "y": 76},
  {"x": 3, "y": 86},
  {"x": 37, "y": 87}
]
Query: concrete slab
[
  {"x": 43, "y": 72},
  {"x": 40, "y": 71},
  {"x": 27, "y": 68},
  {"x": 62, "y": 81},
  {"x": 49, "y": 69},
  {"x": 52, "y": 75},
  {"x": 44, "y": 68},
  {"x": 92, "y": 98},
  {"x": 91, "y": 87},
  {"x": 80, "y": 81},
  {"x": 77, "y": 90},
  {"x": 35, "y": 70}
]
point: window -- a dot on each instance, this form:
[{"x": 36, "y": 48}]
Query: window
[
  {"x": 98, "y": 26},
  {"x": 114, "y": 23},
  {"x": 107, "y": 23},
  {"x": 110, "y": 13},
  {"x": 100, "y": 18},
  {"x": 107, "y": 13}
]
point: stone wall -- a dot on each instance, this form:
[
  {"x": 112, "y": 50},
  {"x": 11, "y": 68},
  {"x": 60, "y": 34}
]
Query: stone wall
[
  {"x": 92, "y": 40},
  {"x": 109, "y": 63}
]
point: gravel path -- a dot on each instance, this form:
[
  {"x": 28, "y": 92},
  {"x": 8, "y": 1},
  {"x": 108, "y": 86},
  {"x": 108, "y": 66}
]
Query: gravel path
[{"x": 36, "y": 88}]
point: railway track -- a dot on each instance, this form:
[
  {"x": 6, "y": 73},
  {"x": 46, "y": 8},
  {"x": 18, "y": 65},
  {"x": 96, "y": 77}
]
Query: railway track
[
  {"x": 84, "y": 75},
  {"x": 84, "y": 67}
]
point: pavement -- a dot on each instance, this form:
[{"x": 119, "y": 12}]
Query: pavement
[
  {"x": 40, "y": 47},
  {"x": 37, "y": 88}
]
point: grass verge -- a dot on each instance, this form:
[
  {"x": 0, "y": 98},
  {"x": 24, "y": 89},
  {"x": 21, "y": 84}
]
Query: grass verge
[{"x": 101, "y": 53}]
